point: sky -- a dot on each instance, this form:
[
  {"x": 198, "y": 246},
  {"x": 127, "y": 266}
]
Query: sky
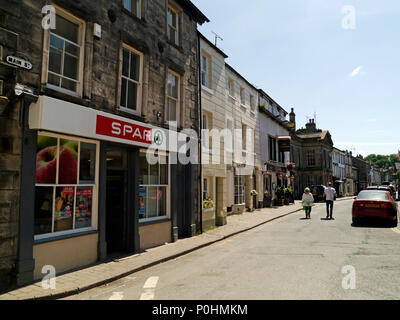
[{"x": 318, "y": 56}]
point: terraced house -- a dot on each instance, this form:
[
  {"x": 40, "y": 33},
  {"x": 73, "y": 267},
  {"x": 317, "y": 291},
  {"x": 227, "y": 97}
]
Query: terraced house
[
  {"x": 214, "y": 117},
  {"x": 88, "y": 88}
]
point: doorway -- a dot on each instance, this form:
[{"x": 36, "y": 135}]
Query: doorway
[{"x": 116, "y": 206}]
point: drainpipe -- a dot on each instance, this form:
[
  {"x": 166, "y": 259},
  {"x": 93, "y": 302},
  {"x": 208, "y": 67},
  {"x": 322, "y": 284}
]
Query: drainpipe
[{"x": 200, "y": 196}]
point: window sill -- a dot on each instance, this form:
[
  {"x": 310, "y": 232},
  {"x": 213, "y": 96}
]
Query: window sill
[
  {"x": 176, "y": 46},
  {"x": 134, "y": 17},
  {"x": 208, "y": 209},
  {"x": 148, "y": 222},
  {"x": 207, "y": 90},
  {"x": 231, "y": 98},
  {"x": 129, "y": 111},
  {"x": 55, "y": 237}
]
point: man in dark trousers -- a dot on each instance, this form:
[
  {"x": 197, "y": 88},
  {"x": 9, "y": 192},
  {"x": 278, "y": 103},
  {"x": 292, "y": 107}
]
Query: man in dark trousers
[{"x": 329, "y": 194}]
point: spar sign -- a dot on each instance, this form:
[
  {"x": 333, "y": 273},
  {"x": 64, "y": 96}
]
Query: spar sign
[{"x": 115, "y": 128}]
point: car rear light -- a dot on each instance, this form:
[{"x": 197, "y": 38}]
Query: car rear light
[{"x": 386, "y": 206}]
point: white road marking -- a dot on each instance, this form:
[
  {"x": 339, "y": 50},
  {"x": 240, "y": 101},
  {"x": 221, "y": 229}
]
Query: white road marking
[
  {"x": 117, "y": 296},
  {"x": 149, "y": 288}
]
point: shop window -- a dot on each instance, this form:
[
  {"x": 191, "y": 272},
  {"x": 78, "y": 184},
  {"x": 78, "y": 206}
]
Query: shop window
[
  {"x": 154, "y": 188},
  {"x": 65, "y": 184}
]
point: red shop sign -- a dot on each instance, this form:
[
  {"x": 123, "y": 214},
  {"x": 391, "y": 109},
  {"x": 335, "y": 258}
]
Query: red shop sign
[{"x": 123, "y": 130}]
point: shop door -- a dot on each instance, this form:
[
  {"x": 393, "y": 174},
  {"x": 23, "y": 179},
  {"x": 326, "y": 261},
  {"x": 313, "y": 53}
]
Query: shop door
[{"x": 116, "y": 206}]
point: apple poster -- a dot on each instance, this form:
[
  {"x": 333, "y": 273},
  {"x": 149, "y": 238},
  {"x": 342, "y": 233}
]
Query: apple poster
[{"x": 46, "y": 161}]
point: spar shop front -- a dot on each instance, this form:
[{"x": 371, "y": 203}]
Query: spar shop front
[{"x": 90, "y": 193}]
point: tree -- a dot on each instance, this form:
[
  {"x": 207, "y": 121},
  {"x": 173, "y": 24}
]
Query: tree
[{"x": 382, "y": 161}]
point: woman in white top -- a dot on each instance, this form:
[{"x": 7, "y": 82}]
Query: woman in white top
[{"x": 307, "y": 201}]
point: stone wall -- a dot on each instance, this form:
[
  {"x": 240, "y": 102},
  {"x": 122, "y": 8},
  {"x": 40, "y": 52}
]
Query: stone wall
[{"x": 21, "y": 35}]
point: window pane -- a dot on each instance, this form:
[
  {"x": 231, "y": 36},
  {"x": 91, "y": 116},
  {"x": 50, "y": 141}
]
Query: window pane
[
  {"x": 87, "y": 163},
  {"x": 43, "y": 210},
  {"x": 172, "y": 86},
  {"x": 128, "y": 5},
  {"x": 55, "y": 61},
  {"x": 162, "y": 201},
  {"x": 56, "y": 42},
  {"x": 164, "y": 174},
  {"x": 68, "y": 84},
  {"x": 154, "y": 174},
  {"x": 143, "y": 169},
  {"x": 171, "y": 110},
  {"x": 46, "y": 160},
  {"x": 132, "y": 95},
  {"x": 171, "y": 34},
  {"x": 66, "y": 29},
  {"x": 54, "y": 80},
  {"x": 135, "y": 67},
  {"x": 152, "y": 199},
  {"x": 142, "y": 202},
  {"x": 125, "y": 63},
  {"x": 123, "y": 92},
  {"x": 71, "y": 65},
  {"x": 83, "y": 209},
  {"x": 171, "y": 18},
  {"x": 63, "y": 208},
  {"x": 68, "y": 162},
  {"x": 72, "y": 49}
]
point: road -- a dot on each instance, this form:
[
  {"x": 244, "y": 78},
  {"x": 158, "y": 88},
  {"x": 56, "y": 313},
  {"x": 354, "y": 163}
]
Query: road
[{"x": 290, "y": 258}]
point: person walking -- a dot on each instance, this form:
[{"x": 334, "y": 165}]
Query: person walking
[
  {"x": 329, "y": 195},
  {"x": 307, "y": 201}
]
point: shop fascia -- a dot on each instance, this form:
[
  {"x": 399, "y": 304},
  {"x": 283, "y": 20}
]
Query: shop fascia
[{"x": 59, "y": 116}]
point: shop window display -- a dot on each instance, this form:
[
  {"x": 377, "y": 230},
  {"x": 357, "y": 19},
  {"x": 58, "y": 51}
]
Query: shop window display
[
  {"x": 65, "y": 184},
  {"x": 153, "y": 190}
]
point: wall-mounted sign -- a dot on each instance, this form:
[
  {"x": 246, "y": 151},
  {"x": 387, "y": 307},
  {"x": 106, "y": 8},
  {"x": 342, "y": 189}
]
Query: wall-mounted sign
[
  {"x": 284, "y": 144},
  {"x": 108, "y": 126},
  {"x": 19, "y": 62}
]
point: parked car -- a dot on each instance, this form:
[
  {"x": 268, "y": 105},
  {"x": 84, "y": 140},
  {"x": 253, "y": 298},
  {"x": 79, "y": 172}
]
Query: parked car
[
  {"x": 318, "y": 192},
  {"x": 377, "y": 204}
]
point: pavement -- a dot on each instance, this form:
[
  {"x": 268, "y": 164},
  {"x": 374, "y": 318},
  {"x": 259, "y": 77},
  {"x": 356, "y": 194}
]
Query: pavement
[{"x": 102, "y": 273}]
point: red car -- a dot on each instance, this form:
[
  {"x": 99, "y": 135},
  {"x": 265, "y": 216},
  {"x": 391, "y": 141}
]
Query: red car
[{"x": 375, "y": 204}]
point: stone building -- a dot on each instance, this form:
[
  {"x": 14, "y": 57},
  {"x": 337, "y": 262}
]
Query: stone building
[
  {"x": 311, "y": 153},
  {"x": 89, "y": 88},
  {"x": 363, "y": 170}
]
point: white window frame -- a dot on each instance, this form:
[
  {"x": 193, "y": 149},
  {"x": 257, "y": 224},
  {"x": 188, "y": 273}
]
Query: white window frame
[
  {"x": 138, "y": 83},
  {"x": 95, "y": 186},
  {"x": 138, "y": 8},
  {"x": 176, "y": 29},
  {"x": 46, "y": 53},
  {"x": 177, "y": 100}
]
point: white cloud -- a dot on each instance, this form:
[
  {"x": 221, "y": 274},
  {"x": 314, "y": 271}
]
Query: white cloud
[{"x": 356, "y": 71}]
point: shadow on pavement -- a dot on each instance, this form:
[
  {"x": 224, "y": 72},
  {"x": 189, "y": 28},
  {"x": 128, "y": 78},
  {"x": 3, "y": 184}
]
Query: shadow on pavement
[{"x": 374, "y": 224}]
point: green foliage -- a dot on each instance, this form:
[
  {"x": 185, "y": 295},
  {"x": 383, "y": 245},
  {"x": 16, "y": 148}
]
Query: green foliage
[{"x": 382, "y": 161}]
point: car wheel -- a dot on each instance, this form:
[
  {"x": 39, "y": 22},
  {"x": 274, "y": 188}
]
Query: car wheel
[
  {"x": 356, "y": 221},
  {"x": 395, "y": 223}
]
